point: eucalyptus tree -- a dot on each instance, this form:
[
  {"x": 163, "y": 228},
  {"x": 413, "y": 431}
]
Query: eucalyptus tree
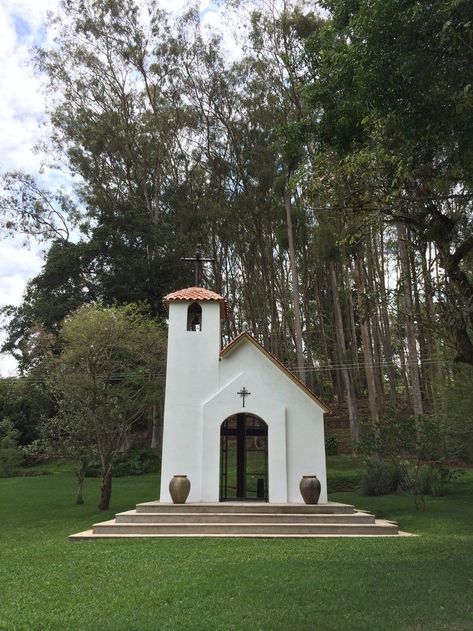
[
  {"x": 118, "y": 125},
  {"x": 29, "y": 209},
  {"x": 240, "y": 201},
  {"x": 246, "y": 107},
  {"x": 390, "y": 94},
  {"x": 333, "y": 195},
  {"x": 120, "y": 119}
]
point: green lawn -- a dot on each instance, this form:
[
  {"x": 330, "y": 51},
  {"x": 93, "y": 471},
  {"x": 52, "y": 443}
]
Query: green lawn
[{"x": 46, "y": 582}]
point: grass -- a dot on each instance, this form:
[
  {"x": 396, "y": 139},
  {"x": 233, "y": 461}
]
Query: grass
[{"x": 48, "y": 583}]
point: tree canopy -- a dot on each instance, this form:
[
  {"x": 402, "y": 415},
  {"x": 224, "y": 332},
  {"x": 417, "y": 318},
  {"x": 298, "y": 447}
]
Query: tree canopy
[
  {"x": 327, "y": 169},
  {"x": 106, "y": 376}
]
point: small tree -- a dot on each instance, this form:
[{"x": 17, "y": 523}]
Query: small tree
[{"x": 105, "y": 378}]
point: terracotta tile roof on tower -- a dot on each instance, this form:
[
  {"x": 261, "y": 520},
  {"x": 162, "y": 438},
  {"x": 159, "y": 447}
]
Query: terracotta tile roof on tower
[
  {"x": 246, "y": 336},
  {"x": 197, "y": 294}
]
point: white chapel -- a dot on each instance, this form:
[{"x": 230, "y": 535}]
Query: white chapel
[
  {"x": 236, "y": 421},
  {"x": 241, "y": 427}
]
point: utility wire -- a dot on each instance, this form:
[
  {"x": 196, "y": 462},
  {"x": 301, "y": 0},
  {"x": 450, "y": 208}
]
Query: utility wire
[
  {"x": 295, "y": 369},
  {"x": 341, "y": 366}
]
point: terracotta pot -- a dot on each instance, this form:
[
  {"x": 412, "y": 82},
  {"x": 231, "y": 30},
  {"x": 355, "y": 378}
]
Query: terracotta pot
[
  {"x": 179, "y": 488},
  {"x": 310, "y": 489}
]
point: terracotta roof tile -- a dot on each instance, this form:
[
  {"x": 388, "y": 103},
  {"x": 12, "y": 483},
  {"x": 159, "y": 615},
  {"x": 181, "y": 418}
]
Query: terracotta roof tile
[{"x": 197, "y": 294}]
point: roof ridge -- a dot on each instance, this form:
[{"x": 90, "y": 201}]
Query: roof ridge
[{"x": 277, "y": 362}]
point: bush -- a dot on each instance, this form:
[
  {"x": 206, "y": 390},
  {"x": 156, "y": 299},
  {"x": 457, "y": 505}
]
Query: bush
[
  {"x": 10, "y": 461},
  {"x": 380, "y": 478},
  {"x": 10, "y": 456},
  {"x": 403, "y": 438},
  {"x": 137, "y": 461},
  {"x": 332, "y": 445},
  {"x": 430, "y": 481}
]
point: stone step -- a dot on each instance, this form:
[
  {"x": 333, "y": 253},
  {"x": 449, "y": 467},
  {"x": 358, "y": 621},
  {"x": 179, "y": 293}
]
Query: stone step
[
  {"x": 133, "y": 517},
  {"x": 380, "y": 527},
  {"x": 241, "y": 519},
  {"x": 244, "y": 507}
]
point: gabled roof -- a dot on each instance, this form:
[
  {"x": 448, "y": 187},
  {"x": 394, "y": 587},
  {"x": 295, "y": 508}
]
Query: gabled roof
[
  {"x": 197, "y": 294},
  {"x": 246, "y": 336}
]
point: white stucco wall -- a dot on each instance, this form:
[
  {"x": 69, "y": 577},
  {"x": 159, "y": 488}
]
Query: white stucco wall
[
  {"x": 191, "y": 378},
  {"x": 201, "y": 392},
  {"x": 226, "y": 403},
  {"x": 272, "y": 395}
]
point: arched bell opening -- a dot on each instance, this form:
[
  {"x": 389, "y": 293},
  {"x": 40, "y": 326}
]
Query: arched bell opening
[
  {"x": 194, "y": 317},
  {"x": 244, "y": 458}
]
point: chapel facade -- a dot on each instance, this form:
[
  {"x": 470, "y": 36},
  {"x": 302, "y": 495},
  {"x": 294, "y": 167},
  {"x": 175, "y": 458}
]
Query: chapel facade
[{"x": 236, "y": 421}]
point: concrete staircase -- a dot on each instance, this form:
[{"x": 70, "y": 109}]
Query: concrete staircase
[{"x": 241, "y": 519}]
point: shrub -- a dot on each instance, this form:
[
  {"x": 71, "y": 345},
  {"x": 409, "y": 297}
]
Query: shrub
[
  {"x": 10, "y": 461},
  {"x": 137, "y": 461},
  {"x": 430, "y": 481},
  {"x": 380, "y": 478},
  {"x": 332, "y": 445},
  {"x": 10, "y": 456}
]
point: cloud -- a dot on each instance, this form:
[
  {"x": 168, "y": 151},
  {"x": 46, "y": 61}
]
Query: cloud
[
  {"x": 17, "y": 265},
  {"x": 22, "y": 116},
  {"x": 17, "y": 260},
  {"x": 22, "y": 103},
  {"x": 8, "y": 366}
]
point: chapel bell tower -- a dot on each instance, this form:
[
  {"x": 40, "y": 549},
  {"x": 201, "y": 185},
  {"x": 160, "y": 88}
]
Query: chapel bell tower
[{"x": 192, "y": 376}]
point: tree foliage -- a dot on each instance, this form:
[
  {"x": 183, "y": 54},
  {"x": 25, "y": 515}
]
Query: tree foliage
[
  {"x": 10, "y": 456},
  {"x": 390, "y": 91},
  {"x": 27, "y": 208},
  {"x": 327, "y": 170},
  {"x": 104, "y": 379}
]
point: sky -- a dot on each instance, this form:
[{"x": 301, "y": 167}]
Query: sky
[
  {"x": 22, "y": 119},
  {"x": 23, "y": 124}
]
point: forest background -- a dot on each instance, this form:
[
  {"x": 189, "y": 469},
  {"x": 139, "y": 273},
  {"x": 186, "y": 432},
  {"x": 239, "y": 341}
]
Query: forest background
[{"x": 327, "y": 170}]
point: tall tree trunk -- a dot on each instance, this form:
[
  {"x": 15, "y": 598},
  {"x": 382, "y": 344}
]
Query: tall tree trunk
[
  {"x": 412, "y": 362},
  {"x": 424, "y": 369},
  {"x": 366, "y": 343},
  {"x": 372, "y": 290},
  {"x": 274, "y": 309},
  {"x": 295, "y": 287},
  {"x": 353, "y": 344},
  {"x": 432, "y": 345},
  {"x": 323, "y": 334},
  {"x": 385, "y": 325},
  {"x": 346, "y": 374}
]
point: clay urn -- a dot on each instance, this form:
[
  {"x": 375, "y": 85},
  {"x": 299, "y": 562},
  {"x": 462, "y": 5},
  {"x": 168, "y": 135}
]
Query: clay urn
[
  {"x": 179, "y": 488},
  {"x": 310, "y": 489}
]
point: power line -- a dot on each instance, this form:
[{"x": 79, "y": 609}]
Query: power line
[
  {"x": 113, "y": 378},
  {"x": 295, "y": 369},
  {"x": 349, "y": 365}
]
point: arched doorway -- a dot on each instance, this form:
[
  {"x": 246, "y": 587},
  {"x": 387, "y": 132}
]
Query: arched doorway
[{"x": 244, "y": 458}]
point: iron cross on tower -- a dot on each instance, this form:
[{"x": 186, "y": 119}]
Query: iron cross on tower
[{"x": 199, "y": 260}]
